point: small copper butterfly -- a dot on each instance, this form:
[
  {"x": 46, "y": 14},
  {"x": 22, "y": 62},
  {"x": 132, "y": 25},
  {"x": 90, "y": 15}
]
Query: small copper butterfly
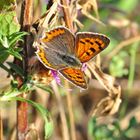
[{"x": 59, "y": 49}]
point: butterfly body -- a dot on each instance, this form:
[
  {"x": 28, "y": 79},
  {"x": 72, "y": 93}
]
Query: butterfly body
[
  {"x": 58, "y": 60},
  {"x": 60, "y": 50},
  {"x": 70, "y": 61}
]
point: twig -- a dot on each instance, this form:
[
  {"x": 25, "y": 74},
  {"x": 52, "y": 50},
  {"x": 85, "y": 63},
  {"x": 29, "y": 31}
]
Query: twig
[
  {"x": 123, "y": 44},
  {"x": 123, "y": 83},
  {"x": 67, "y": 15},
  {"x": 71, "y": 115},
  {"x": 62, "y": 112}
]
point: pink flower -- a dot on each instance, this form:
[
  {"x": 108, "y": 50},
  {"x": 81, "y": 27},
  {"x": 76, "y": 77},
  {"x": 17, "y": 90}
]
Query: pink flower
[
  {"x": 56, "y": 77},
  {"x": 84, "y": 67}
]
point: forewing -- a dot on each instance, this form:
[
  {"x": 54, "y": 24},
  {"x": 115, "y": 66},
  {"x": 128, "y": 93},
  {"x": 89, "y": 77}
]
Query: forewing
[
  {"x": 60, "y": 39},
  {"x": 89, "y": 45},
  {"x": 75, "y": 76},
  {"x": 49, "y": 58}
]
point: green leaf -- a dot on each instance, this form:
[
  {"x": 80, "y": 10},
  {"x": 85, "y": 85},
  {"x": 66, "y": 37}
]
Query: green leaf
[
  {"x": 18, "y": 49},
  {"x": 13, "y": 38},
  {"x": 127, "y": 6},
  {"x": 44, "y": 87},
  {"x": 5, "y": 51},
  {"x": 8, "y": 20},
  {"x": 14, "y": 53},
  {"x": 16, "y": 68},
  {"x": 5, "y": 5},
  {"x": 3, "y": 54},
  {"x": 117, "y": 125},
  {"x": 117, "y": 65},
  {"x": 11, "y": 93},
  {"x": 5, "y": 68},
  {"x": 91, "y": 126},
  {"x": 8, "y": 23},
  {"x": 133, "y": 122},
  {"x": 45, "y": 114},
  {"x": 131, "y": 131},
  {"x": 4, "y": 41}
]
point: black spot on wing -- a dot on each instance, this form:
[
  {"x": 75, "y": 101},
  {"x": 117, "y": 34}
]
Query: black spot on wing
[
  {"x": 88, "y": 53},
  {"x": 101, "y": 48},
  {"x": 87, "y": 40},
  {"x": 46, "y": 37},
  {"x": 91, "y": 43},
  {"x": 79, "y": 77},
  {"x": 82, "y": 42},
  {"x": 98, "y": 43},
  {"x": 70, "y": 76},
  {"x": 93, "y": 50},
  {"x": 79, "y": 81}
]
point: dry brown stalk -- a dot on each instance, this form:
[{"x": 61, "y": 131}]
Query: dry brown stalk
[
  {"x": 123, "y": 44},
  {"x": 65, "y": 132},
  {"x": 67, "y": 15}
]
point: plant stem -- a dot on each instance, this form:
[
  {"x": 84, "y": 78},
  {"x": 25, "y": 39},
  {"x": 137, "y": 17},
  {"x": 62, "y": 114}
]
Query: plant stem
[
  {"x": 65, "y": 132},
  {"x": 130, "y": 77},
  {"x": 71, "y": 114},
  {"x": 22, "y": 122},
  {"x": 132, "y": 64},
  {"x": 22, "y": 107}
]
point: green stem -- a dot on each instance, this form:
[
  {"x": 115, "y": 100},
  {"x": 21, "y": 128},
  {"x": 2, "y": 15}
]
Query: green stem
[
  {"x": 131, "y": 75},
  {"x": 132, "y": 65}
]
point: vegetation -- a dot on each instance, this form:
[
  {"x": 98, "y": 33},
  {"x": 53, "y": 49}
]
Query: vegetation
[{"x": 33, "y": 106}]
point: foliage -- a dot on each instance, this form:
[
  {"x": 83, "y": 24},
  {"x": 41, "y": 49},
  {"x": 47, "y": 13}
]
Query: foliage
[
  {"x": 121, "y": 60},
  {"x": 112, "y": 131},
  {"x": 117, "y": 65},
  {"x": 10, "y": 39}
]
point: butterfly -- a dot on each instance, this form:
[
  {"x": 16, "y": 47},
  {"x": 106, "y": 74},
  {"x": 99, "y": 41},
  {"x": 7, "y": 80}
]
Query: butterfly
[{"x": 59, "y": 49}]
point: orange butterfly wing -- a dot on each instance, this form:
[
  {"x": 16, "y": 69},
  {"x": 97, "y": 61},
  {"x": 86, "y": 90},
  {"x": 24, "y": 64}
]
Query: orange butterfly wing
[
  {"x": 60, "y": 39},
  {"x": 76, "y": 76},
  {"x": 55, "y": 43},
  {"x": 89, "y": 45}
]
